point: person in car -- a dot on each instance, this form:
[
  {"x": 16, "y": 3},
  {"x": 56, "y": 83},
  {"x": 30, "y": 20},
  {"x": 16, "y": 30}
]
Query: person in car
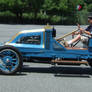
[{"x": 82, "y": 31}]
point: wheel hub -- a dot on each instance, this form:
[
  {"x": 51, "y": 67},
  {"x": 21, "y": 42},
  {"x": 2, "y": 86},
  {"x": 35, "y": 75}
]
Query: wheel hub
[{"x": 7, "y": 59}]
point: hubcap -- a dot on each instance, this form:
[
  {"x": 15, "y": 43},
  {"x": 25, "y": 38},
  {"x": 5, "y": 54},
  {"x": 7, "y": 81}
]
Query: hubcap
[{"x": 7, "y": 59}]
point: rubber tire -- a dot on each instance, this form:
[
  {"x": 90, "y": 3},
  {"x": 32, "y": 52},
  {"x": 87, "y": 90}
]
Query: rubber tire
[
  {"x": 19, "y": 68},
  {"x": 90, "y": 62}
]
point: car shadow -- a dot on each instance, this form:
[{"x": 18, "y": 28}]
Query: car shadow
[{"x": 60, "y": 71}]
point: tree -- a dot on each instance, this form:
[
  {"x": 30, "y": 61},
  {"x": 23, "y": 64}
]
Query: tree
[
  {"x": 53, "y": 9},
  {"x": 35, "y": 6},
  {"x": 62, "y": 6},
  {"x": 72, "y": 5},
  {"x": 3, "y": 5},
  {"x": 90, "y": 7},
  {"x": 18, "y": 7},
  {"x": 88, "y": 1},
  {"x": 55, "y": 6},
  {"x": 15, "y": 6}
]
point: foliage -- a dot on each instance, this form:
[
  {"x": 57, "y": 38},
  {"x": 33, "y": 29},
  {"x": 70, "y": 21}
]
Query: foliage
[
  {"x": 42, "y": 11},
  {"x": 90, "y": 7},
  {"x": 55, "y": 19},
  {"x": 88, "y": 1}
]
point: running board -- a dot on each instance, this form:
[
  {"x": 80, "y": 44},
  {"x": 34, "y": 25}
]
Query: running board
[{"x": 69, "y": 62}]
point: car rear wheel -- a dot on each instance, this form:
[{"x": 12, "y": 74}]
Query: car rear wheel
[
  {"x": 10, "y": 60},
  {"x": 90, "y": 62}
]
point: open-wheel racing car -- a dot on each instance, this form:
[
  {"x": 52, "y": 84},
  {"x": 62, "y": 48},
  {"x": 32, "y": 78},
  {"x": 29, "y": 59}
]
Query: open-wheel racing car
[{"x": 39, "y": 44}]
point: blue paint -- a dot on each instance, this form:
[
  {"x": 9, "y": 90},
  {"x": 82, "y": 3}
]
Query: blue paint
[{"x": 49, "y": 47}]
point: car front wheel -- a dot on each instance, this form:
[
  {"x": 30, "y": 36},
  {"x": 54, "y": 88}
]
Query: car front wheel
[{"x": 10, "y": 60}]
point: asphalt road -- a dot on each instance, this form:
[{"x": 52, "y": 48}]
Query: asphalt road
[{"x": 37, "y": 77}]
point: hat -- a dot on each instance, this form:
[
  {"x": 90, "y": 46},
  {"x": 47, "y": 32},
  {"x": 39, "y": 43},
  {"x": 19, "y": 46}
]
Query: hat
[{"x": 89, "y": 17}]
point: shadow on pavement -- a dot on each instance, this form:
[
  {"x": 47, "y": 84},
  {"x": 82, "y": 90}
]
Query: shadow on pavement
[{"x": 61, "y": 71}]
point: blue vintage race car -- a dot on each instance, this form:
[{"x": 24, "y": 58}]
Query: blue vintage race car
[{"x": 40, "y": 44}]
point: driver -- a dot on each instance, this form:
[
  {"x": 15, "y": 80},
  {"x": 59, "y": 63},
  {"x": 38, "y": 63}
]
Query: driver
[{"x": 79, "y": 34}]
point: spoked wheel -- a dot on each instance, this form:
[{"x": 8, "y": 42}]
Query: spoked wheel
[{"x": 10, "y": 60}]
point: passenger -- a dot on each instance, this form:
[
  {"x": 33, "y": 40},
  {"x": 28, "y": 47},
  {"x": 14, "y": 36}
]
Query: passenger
[{"x": 79, "y": 34}]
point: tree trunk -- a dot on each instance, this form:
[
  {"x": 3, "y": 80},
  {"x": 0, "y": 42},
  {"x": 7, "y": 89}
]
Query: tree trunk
[
  {"x": 19, "y": 17},
  {"x": 35, "y": 16}
]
